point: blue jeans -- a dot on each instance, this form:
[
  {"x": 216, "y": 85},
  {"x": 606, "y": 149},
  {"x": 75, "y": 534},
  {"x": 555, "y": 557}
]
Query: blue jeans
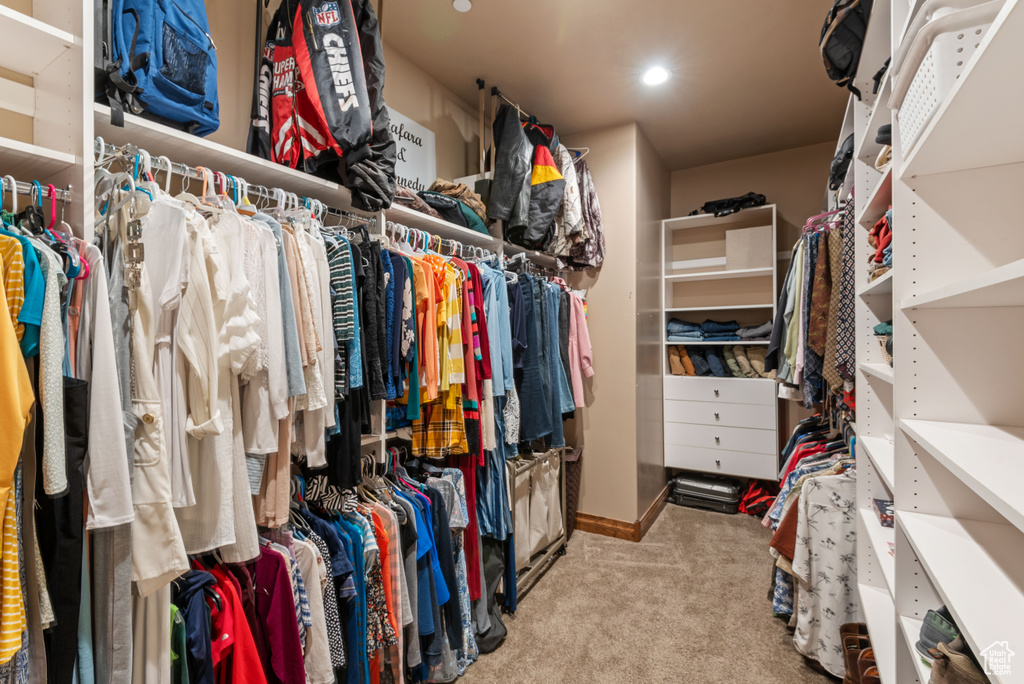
[{"x": 534, "y": 392}]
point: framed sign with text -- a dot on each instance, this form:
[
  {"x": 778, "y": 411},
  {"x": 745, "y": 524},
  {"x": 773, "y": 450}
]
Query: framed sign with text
[{"x": 416, "y": 164}]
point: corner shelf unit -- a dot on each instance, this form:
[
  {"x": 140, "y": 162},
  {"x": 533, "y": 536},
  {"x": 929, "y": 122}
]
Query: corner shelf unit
[
  {"x": 944, "y": 440},
  {"x": 724, "y": 425}
]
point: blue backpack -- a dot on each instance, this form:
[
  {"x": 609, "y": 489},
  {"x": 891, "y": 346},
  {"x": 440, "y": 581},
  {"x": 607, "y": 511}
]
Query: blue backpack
[{"x": 160, "y": 61}]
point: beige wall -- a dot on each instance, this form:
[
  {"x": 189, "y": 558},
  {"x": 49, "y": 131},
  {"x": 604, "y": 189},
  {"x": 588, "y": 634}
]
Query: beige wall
[
  {"x": 794, "y": 180},
  {"x": 609, "y": 486},
  {"x": 409, "y": 90},
  {"x": 652, "y": 205}
]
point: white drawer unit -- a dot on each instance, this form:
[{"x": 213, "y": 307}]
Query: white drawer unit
[
  {"x": 721, "y": 438},
  {"x": 721, "y": 390},
  {"x": 753, "y": 416},
  {"x": 737, "y": 463}
]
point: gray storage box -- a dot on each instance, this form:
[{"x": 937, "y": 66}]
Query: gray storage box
[{"x": 710, "y": 492}]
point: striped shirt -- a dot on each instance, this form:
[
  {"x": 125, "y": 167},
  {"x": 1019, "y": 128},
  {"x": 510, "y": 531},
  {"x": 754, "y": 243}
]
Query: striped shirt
[
  {"x": 340, "y": 262},
  {"x": 14, "y": 279}
]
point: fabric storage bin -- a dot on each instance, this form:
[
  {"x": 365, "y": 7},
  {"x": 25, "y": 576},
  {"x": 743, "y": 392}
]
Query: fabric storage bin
[
  {"x": 941, "y": 39},
  {"x": 537, "y": 505}
]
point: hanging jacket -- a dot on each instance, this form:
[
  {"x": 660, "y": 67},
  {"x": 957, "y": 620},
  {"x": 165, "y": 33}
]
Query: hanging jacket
[
  {"x": 510, "y": 189},
  {"x": 547, "y": 188},
  {"x": 320, "y": 99}
]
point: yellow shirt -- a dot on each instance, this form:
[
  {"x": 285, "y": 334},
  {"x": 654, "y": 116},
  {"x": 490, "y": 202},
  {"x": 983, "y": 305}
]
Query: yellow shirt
[
  {"x": 13, "y": 280},
  {"x": 16, "y": 399}
]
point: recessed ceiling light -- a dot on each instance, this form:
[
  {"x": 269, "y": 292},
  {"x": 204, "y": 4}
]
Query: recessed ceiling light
[
  {"x": 655, "y": 75},
  {"x": 462, "y": 5}
]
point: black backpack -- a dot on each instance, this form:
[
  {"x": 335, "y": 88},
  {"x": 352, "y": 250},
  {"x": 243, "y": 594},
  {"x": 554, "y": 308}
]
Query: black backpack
[
  {"x": 840, "y": 164},
  {"x": 842, "y": 37},
  {"x": 730, "y": 205}
]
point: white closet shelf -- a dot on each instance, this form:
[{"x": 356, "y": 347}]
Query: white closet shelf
[
  {"x": 445, "y": 229},
  {"x": 879, "y": 286},
  {"x": 747, "y": 216},
  {"x": 879, "y": 370},
  {"x": 878, "y": 201},
  {"x": 880, "y": 538},
  {"x": 978, "y": 125},
  {"x": 977, "y": 569},
  {"x": 708, "y": 343},
  {"x": 734, "y": 307},
  {"x": 1003, "y": 286},
  {"x": 185, "y": 148},
  {"x": 719, "y": 275},
  {"x": 880, "y": 615},
  {"x": 987, "y": 458},
  {"x": 30, "y": 162},
  {"x": 880, "y": 115},
  {"x": 911, "y": 628},
  {"x": 883, "y": 454},
  {"x": 365, "y": 440},
  {"x": 538, "y": 258},
  {"x": 30, "y": 45}
]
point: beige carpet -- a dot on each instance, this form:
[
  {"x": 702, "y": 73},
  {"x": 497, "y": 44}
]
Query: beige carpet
[{"x": 687, "y": 604}]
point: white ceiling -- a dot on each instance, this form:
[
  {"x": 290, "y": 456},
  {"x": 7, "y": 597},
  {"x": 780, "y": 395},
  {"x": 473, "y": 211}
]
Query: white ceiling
[{"x": 747, "y": 77}]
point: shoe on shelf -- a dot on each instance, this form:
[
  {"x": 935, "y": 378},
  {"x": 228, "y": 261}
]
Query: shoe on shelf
[
  {"x": 871, "y": 676},
  {"x": 938, "y": 627},
  {"x": 953, "y": 665},
  {"x": 865, "y": 662},
  {"x": 853, "y": 644}
]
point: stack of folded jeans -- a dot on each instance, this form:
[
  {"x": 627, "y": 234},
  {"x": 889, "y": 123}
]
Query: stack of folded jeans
[
  {"x": 760, "y": 332},
  {"x": 718, "y": 331},
  {"x": 683, "y": 331}
]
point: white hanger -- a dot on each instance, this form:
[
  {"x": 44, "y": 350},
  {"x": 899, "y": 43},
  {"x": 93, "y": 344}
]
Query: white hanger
[
  {"x": 170, "y": 172},
  {"x": 14, "y": 192}
]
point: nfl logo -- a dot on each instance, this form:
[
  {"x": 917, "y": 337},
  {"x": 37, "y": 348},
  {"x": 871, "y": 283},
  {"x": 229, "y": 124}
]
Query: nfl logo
[{"x": 327, "y": 14}]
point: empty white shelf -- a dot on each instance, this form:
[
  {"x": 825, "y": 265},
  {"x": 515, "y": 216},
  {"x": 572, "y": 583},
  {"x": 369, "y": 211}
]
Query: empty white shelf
[
  {"x": 189, "y": 149},
  {"x": 911, "y": 628},
  {"x": 28, "y": 162},
  {"x": 882, "y": 453},
  {"x": 880, "y": 538},
  {"x": 987, "y": 458},
  {"x": 978, "y": 125},
  {"x": 30, "y": 45},
  {"x": 879, "y": 286},
  {"x": 878, "y": 201},
  {"x": 369, "y": 439},
  {"x": 880, "y": 115},
  {"x": 1003, "y": 286},
  {"x": 977, "y": 569},
  {"x": 736, "y": 307},
  {"x": 880, "y": 616},
  {"x": 719, "y": 275},
  {"x": 879, "y": 370}
]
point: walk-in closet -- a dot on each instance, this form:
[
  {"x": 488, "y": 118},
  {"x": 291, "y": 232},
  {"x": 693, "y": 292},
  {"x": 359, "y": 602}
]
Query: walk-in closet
[{"x": 401, "y": 341}]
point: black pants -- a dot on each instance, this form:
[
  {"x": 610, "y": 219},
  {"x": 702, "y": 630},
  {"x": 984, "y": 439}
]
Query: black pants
[{"x": 60, "y": 526}]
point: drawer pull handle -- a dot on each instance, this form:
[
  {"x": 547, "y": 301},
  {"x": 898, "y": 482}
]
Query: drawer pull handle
[
  {"x": 716, "y": 393},
  {"x": 717, "y": 439},
  {"x": 718, "y": 462},
  {"x": 716, "y": 415}
]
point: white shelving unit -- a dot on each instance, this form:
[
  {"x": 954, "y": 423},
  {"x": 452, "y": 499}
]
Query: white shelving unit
[
  {"x": 738, "y": 436},
  {"x": 942, "y": 438}
]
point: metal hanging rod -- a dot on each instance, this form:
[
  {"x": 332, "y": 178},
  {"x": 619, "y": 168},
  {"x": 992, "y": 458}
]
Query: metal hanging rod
[
  {"x": 35, "y": 191},
  {"x": 131, "y": 154}
]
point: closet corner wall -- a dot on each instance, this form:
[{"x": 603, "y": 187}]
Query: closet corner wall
[{"x": 941, "y": 433}]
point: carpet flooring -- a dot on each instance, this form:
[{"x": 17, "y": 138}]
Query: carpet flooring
[{"x": 687, "y": 604}]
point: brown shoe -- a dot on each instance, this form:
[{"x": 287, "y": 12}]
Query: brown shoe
[
  {"x": 870, "y": 676},
  {"x": 865, "y": 661},
  {"x": 853, "y": 644},
  {"x": 952, "y": 665}
]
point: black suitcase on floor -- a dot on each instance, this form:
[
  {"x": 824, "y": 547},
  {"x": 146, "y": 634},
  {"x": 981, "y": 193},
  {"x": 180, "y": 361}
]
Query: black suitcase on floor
[{"x": 710, "y": 492}]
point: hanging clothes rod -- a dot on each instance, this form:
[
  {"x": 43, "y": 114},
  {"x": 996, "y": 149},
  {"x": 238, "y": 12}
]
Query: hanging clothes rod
[
  {"x": 35, "y": 191},
  {"x": 429, "y": 240},
  {"x": 580, "y": 151},
  {"x": 132, "y": 155}
]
